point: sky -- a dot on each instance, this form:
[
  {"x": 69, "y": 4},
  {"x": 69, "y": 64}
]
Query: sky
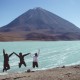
[{"x": 67, "y": 9}]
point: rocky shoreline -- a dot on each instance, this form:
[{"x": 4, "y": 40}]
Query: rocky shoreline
[{"x": 58, "y": 73}]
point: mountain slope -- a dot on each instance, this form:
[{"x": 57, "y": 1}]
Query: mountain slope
[{"x": 39, "y": 24}]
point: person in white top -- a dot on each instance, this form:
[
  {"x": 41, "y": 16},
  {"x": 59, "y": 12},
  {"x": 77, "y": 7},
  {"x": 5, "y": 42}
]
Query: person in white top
[{"x": 35, "y": 59}]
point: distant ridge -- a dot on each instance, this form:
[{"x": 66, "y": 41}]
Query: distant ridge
[{"x": 39, "y": 24}]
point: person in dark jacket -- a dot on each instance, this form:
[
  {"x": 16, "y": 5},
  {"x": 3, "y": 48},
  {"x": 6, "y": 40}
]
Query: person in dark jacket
[
  {"x": 21, "y": 57},
  {"x": 6, "y": 65}
]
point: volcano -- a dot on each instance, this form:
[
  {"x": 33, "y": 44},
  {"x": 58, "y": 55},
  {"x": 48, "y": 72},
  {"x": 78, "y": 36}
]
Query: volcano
[{"x": 39, "y": 24}]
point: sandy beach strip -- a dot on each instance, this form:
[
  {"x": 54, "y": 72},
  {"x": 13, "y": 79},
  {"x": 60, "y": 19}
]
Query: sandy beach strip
[{"x": 59, "y": 73}]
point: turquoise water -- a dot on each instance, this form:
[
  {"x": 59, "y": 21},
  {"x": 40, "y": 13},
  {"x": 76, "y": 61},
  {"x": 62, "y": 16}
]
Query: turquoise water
[{"x": 52, "y": 54}]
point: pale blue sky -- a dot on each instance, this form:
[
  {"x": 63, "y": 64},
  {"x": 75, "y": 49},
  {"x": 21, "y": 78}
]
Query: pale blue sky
[{"x": 67, "y": 9}]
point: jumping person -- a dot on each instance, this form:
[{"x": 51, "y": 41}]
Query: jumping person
[
  {"x": 6, "y": 65},
  {"x": 21, "y": 57},
  {"x": 35, "y": 59}
]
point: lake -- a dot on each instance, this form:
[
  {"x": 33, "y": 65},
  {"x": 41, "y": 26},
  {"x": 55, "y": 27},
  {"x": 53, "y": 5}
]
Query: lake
[{"x": 52, "y": 54}]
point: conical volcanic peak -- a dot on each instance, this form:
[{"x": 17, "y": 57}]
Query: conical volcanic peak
[
  {"x": 40, "y": 24},
  {"x": 38, "y": 8}
]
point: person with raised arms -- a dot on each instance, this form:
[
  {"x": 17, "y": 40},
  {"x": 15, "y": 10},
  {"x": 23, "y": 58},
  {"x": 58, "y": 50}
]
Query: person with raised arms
[
  {"x": 35, "y": 59},
  {"x": 6, "y": 65},
  {"x": 21, "y": 57}
]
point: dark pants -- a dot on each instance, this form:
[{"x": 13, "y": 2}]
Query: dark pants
[
  {"x": 21, "y": 64},
  {"x": 6, "y": 67},
  {"x": 35, "y": 64}
]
